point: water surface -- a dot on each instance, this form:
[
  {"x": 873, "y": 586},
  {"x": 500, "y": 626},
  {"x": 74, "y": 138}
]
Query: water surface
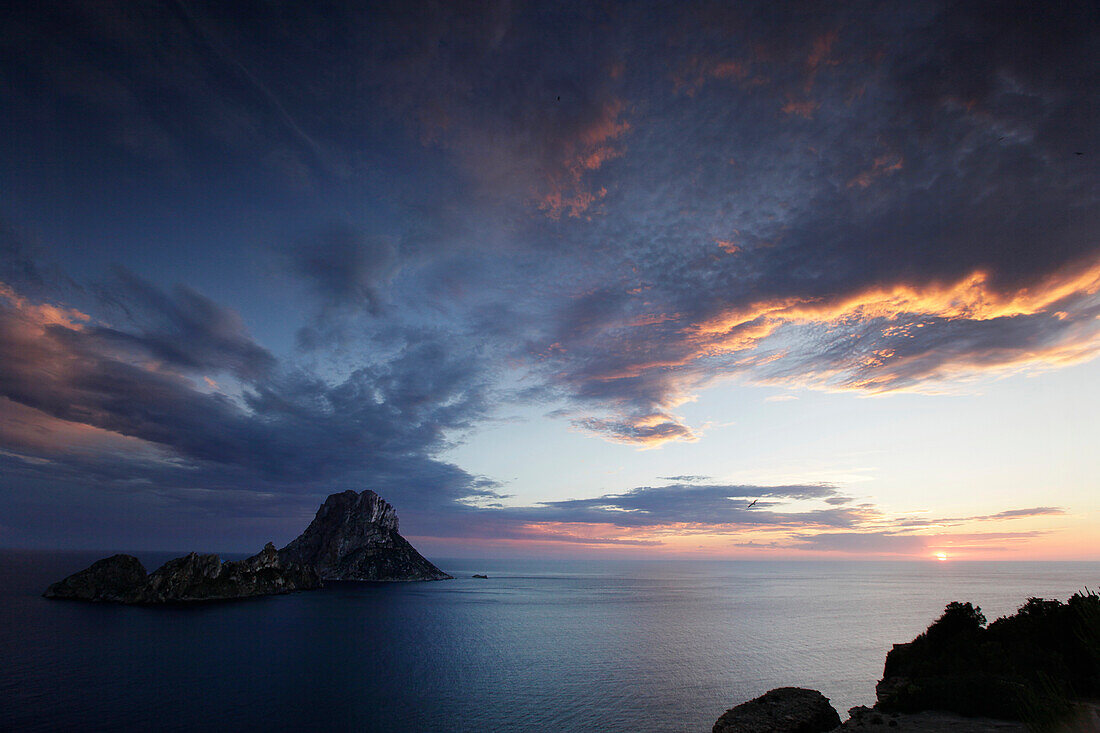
[{"x": 568, "y": 646}]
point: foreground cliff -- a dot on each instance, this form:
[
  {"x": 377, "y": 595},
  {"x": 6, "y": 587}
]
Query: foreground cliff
[
  {"x": 354, "y": 537},
  {"x": 193, "y": 577},
  {"x": 1035, "y": 670},
  {"x": 1028, "y": 666}
]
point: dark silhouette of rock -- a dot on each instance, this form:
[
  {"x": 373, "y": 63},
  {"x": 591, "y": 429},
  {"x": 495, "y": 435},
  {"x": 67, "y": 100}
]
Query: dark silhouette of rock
[
  {"x": 354, "y": 537},
  {"x": 193, "y": 577},
  {"x": 116, "y": 579},
  {"x": 784, "y": 710},
  {"x": 1038, "y": 669},
  {"x": 197, "y": 577},
  {"x": 872, "y": 720},
  {"x": 483, "y": 577},
  {"x": 1029, "y": 666}
]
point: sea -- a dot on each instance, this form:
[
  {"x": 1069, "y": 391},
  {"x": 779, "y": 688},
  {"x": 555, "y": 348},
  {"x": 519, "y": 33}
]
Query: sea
[{"x": 537, "y": 646}]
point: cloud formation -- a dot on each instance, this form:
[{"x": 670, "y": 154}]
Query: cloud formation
[
  {"x": 144, "y": 409},
  {"x": 600, "y": 208},
  {"x": 791, "y": 519}
]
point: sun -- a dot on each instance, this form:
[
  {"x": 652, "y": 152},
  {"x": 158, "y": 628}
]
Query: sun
[{"x": 941, "y": 556}]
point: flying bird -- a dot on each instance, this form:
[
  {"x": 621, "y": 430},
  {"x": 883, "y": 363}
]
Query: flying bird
[{"x": 753, "y": 502}]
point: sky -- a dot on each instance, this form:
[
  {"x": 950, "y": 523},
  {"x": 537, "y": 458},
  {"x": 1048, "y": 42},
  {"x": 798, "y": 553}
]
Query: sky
[{"x": 688, "y": 279}]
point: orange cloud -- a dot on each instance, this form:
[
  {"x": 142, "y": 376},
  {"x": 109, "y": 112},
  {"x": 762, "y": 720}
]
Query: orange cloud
[
  {"x": 34, "y": 434},
  {"x": 882, "y": 166},
  {"x": 820, "y": 55},
  {"x": 802, "y": 108},
  {"x": 747, "y": 338},
  {"x": 653, "y": 319},
  {"x": 44, "y": 314},
  {"x": 585, "y": 534},
  {"x": 971, "y": 297},
  {"x": 697, "y": 70},
  {"x": 729, "y": 70},
  {"x": 564, "y": 191},
  {"x": 775, "y": 533},
  {"x": 648, "y": 430}
]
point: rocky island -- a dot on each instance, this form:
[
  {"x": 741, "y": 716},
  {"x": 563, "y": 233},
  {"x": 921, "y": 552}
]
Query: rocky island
[
  {"x": 193, "y": 577},
  {"x": 1036, "y": 670},
  {"x": 352, "y": 537}
]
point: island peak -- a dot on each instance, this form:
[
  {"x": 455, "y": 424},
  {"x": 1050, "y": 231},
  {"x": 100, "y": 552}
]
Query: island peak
[{"x": 354, "y": 537}]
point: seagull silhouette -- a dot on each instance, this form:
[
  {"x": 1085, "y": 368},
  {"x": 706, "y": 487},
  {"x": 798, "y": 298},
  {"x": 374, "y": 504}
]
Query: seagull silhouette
[{"x": 753, "y": 502}]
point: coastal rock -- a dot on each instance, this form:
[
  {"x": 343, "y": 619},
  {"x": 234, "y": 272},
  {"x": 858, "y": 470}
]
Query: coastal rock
[
  {"x": 116, "y": 579},
  {"x": 872, "y": 720},
  {"x": 354, "y": 537},
  {"x": 193, "y": 577},
  {"x": 783, "y": 710}
]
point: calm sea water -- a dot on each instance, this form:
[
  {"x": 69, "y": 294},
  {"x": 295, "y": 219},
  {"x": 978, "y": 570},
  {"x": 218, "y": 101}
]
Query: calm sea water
[{"x": 599, "y": 646}]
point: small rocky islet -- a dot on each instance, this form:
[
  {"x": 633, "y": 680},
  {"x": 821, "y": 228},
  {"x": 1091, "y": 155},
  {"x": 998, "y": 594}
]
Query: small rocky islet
[
  {"x": 1036, "y": 670},
  {"x": 354, "y": 536}
]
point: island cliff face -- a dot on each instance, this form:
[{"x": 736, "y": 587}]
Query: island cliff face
[
  {"x": 193, "y": 577},
  {"x": 354, "y": 537}
]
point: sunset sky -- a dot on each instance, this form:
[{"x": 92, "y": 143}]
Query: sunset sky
[{"x": 567, "y": 279}]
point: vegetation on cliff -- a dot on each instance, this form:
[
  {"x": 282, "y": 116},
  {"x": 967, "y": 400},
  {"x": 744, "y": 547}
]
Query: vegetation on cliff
[{"x": 1028, "y": 666}]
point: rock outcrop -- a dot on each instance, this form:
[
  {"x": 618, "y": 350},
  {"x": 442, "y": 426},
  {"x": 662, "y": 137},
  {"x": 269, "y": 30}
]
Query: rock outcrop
[
  {"x": 871, "y": 720},
  {"x": 116, "y": 579},
  {"x": 354, "y": 537},
  {"x": 1038, "y": 669},
  {"x": 784, "y": 710},
  {"x": 193, "y": 577},
  {"x": 1029, "y": 666}
]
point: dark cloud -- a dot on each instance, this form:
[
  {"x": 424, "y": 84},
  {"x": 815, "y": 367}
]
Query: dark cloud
[
  {"x": 864, "y": 543},
  {"x": 1039, "y": 511},
  {"x": 850, "y": 250},
  {"x": 612, "y": 205},
  {"x": 165, "y": 85},
  {"x": 783, "y": 518},
  {"x": 285, "y": 431},
  {"x": 649, "y": 516},
  {"x": 642, "y": 430},
  {"x": 711, "y": 508},
  {"x": 345, "y": 269},
  {"x": 708, "y": 504},
  {"x": 837, "y": 500},
  {"x": 893, "y": 543},
  {"x": 183, "y": 329},
  {"x": 1032, "y": 512}
]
